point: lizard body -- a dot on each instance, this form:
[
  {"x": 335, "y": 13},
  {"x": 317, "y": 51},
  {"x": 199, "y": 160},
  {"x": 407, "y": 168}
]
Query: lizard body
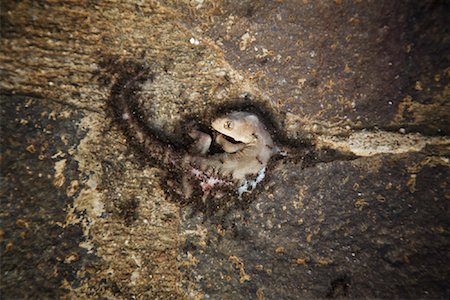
[{"x": 245, "y": 156}]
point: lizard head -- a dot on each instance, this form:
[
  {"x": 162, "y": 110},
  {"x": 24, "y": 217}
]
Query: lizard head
[{"x": 240, "y": 126}]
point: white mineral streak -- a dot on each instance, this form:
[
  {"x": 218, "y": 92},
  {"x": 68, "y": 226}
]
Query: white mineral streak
[{"x": 368, "y": 143}]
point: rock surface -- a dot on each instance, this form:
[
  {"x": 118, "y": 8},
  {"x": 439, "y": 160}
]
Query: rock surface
[{"x": 358, "y": 92}]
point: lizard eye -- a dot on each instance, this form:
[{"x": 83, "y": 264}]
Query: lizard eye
[{"x": 228, "y": 125}]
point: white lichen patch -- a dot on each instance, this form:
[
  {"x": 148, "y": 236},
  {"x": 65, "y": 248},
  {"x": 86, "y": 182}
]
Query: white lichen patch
[
  {"x": 246, "y": 40},
  {"x": 91, "y": 202},
  {"x": 59, "y": 178}
]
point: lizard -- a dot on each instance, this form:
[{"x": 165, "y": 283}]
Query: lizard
[{"x": 246, "y": 143}]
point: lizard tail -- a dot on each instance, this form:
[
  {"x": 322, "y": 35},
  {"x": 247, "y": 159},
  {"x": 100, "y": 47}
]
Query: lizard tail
[{"x": 124, "y": 106}]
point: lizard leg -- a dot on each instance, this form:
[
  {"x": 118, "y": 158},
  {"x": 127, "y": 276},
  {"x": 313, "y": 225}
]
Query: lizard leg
[
  {"x": 202, "y": 141},
  {"x": 229, "y": 146}
]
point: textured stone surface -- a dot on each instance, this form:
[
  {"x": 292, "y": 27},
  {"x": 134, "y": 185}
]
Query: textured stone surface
[
  {"x": 373, "y": 227},
  {"x": 85, "y": 216},
  {"x": 337, "y": 63},
  {"x": 38, "y": 251}
]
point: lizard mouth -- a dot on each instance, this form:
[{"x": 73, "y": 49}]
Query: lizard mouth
[{"x": 230, "y": 139}]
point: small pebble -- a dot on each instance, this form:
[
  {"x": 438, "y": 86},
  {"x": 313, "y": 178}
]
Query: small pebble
[{"x": 194, "y": 41}]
